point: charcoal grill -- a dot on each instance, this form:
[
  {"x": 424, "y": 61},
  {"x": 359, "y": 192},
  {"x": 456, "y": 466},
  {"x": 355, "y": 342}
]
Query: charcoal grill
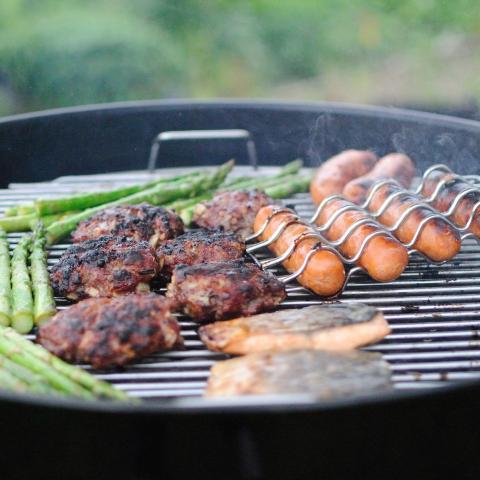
[{"x": 434, "y": 312}]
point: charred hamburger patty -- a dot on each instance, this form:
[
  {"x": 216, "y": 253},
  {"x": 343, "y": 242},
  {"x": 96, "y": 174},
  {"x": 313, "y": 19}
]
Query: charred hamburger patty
[
  {"x": 105, "y": 267},
  {"x": 215, "y": 291},
  {"x": 108, "y": 332},
  {"x": 202, "y": 246},
  {"x": 233, "y": 211},
  {"x": 140, "y": 222}
]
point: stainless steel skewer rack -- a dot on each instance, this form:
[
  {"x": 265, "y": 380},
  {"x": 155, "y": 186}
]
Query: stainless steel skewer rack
[
  {"x": 455, "y": 202},
  {"x": 317, "y": 231}
]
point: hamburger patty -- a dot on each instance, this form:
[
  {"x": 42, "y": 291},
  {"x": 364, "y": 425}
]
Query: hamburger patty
[
  {"x": 215, "y": 291},
  {"x": 202, "y": 246},
  {"x": 108, "y": 332},
  {"x": 140, "y": 222},
  {"x": 233, "y": 211},
  {"x": 105, "y": 267}
]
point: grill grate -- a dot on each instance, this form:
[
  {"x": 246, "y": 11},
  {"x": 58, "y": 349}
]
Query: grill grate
[{"x": 433, "y": 310}]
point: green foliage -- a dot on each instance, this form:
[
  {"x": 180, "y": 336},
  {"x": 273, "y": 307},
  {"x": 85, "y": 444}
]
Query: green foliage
[
  {"x": 69, "y": 52},
  {"x": 433, "y": 16},
  {"x": 72, "y": 57},
  {"x": 221, "y": 40}
]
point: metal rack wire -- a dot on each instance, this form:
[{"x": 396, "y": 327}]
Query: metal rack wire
[
  {"x": 319, "y": 231},
  {"x": 444, "y": 183}
]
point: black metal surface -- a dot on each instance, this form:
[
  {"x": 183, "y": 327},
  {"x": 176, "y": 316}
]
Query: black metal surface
[
  {"x": 427, "y": 434},
  {"x": 434, "y": 436},
  {"x": 96, "y": 139}
]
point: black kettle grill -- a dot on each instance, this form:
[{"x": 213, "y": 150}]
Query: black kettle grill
[{"x": 426, "y": 428}]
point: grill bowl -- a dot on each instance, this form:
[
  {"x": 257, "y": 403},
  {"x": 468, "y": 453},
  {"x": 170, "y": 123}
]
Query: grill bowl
[
  {"x": 100, "y": 138},
  {"x": 289, "y": 437}
]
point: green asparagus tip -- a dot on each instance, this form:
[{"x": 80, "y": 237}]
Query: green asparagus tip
[
  {"x": 23, "y": 322},
  {"x": 187, "y": 215},
  {"x": 294, "y": 165},
  {"x": 10, "y": 212}
]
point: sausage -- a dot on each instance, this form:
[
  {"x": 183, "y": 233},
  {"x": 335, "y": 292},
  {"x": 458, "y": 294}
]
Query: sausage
[
  {"x": 332, "y": 176},
  {"x": 383, "y": 257},
  {"x": 397, "y": 166},
  {"x": 437, "y": 240},
  {"x": 447, "y": 195},
  {"x": 324, "y": 273}
]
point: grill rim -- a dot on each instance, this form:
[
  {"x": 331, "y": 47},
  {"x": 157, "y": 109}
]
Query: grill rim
[
  {"x": 353, "y": 109},
  {"x": 238, "y": 404},
  {"x": 254, "y": 404},
  {"x": 246, "y": 404}
]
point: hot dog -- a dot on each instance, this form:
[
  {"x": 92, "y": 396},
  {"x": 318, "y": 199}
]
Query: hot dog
[
  {"x": 445, "y": 197},
  {"x": 437, "y": 240},
  {"x": 332, "y": 176},
  {"x": 383, "y": 257},
  {"x": 324, "y": 273},
  {"x": 395, "y": 165}
]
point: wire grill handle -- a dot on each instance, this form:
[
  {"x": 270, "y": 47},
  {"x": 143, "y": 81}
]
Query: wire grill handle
[{"x": 225, "y": 134}]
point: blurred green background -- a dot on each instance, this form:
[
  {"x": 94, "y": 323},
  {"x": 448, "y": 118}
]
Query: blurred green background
[{"x": 420, "y": 53}]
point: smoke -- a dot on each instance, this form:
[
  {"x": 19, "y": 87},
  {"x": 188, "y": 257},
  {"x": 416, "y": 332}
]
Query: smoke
[
  {"x": 426, "y": 142},
  {"x": 461, "y": 160},
  {"x": 449, "y": 148},
  {"x": 400, "y": 141},
  {"x": 444, "y": 148},
  {"x": 319, "y": 137}
]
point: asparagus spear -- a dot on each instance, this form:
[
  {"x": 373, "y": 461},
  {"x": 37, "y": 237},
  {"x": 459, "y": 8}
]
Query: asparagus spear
[
  {"x": 22, "y": 301},
  {"x": 19, "y": 223},
  {"x": 11, "y": 211},
  {"x": 49, "y": 206},
  {"x": 259, "y": 183},
  {"x": 240, "y": 183},
  {"x": 290, "y": 186},
  {"x": 26, "y": 208},
  {"x": 159, "y": 194},
  {"x": 20, "y": 209},
  {"x": 44, "y": 303},
  {"x": 5, "y": 288},
  {"x": 281, "y": 187},
  {"x": 239, "y": 180},
  {"x": 180, "y": 205},
  {"x": 82, "y": 201},
  {"x": 263, "y": 183},
  {"x": 35, "y": 382},
  {"x": 18, "y": 354},
  {"x": 39, "y": 357},
  {"x": 10, "y": 382},
  {"x": 278, "y": 187},
  {"x": 186, "y": 207},
  {"x": 47, "y": 220},
  {"x": 288, "y": 169},
  {"x": 23, "y": 223},
  {"x": 187, "y": 214}
]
